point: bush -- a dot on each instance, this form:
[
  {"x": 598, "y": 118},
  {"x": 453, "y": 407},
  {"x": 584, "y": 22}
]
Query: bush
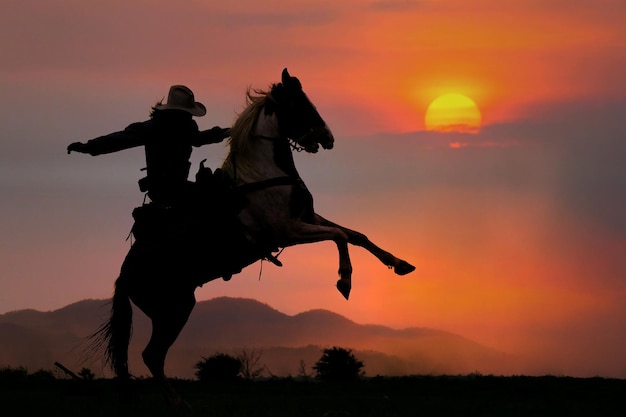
[
  {"x": 219, "y": 367},
  {"x": 87, "y": 374},
  {"x": 10, "y": 374},
  {"x": 43, "y": 375},
  {"x": 338, "y": 364}
]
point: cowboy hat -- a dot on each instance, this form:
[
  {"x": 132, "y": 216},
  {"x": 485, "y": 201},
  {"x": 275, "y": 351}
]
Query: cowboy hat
[{"x": 181, "y": 98}]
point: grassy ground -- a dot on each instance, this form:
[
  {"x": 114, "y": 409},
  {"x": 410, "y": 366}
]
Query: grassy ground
[{"x": 379, "y": 397}]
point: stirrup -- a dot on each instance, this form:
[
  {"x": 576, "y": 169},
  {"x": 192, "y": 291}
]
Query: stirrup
[{"x": 273, "y": 259}]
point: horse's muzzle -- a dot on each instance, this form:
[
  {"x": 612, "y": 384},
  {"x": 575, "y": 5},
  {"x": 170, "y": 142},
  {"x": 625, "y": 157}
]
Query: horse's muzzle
[
  {"x": 324, "y": 137},
  {"x": 312, "y": 140}
]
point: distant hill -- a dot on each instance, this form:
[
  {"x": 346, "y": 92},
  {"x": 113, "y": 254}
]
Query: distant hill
[{"x": 36, "y": 340}]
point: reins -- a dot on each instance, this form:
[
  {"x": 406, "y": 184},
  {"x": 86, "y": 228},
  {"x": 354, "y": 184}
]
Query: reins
[
  {"x": 293, "y": 144},
  {"x": 272, "y": 182}
]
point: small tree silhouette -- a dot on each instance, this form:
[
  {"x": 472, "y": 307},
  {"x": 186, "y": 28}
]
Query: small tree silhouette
[
  {"x": 338, "y": 364},
  {"x": 86, "y": 374},
  {"x": 302, "y": 372},
  {"x": 250, "y": 367},
  {"x": 219, "y": 367}
]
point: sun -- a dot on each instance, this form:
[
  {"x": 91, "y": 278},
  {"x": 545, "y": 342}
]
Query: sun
[{"x": 453, "y": 113}]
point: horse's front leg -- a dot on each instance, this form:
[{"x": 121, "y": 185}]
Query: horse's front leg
[
  {"x": 344, "y": 284},
  {"x": 399, "y": 266},
  {"x": 300, "y": 233}
]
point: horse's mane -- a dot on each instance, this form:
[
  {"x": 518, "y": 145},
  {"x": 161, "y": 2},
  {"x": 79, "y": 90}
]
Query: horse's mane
[{"x": 242, "y": 128}]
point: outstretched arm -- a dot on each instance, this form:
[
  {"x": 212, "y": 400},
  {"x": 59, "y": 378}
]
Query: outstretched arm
[{"x": 133, "y": 135}]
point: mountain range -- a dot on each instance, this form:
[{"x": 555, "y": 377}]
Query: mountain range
[{"x": 287, "y": 345}]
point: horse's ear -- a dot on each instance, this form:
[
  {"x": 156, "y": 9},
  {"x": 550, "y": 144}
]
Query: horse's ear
[
  {"x": 289, "y": 81},
  {"x": 285, "y": 76}
]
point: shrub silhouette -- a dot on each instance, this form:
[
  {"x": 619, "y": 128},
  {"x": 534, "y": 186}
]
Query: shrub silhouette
[
  {"x": 87, "y": 374},
  {"x": 219, "y": 367},
  {"x": 43, "y": 375},
  {"x": 338, "y": 364},
  {"x": 10, "y": 374}
]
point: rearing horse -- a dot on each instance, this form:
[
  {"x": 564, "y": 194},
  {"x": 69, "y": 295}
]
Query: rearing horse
[{"x": 277, "y": 212}]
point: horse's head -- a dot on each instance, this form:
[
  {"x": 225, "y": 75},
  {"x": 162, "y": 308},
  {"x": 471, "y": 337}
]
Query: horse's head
[{"x": 298, "y": 118}]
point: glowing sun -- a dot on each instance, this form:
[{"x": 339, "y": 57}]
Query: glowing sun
[{"x": 453, "y": 113}]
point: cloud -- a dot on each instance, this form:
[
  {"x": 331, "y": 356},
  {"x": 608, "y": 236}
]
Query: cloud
[
  {"x": 396, "y": 5},
  {"x": 278, "y": 20},
  {"x": 149, "y": 36}
]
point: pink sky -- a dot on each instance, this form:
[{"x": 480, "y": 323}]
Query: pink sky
[{"x": 517, "y": 233}]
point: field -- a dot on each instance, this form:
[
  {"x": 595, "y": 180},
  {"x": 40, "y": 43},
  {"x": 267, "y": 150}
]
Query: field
[{"x": 472, "y": 395}]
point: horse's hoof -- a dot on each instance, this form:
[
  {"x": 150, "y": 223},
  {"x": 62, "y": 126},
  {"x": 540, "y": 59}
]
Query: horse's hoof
[
  {"x": 344, "y": 289},
  {"x": 403, "y": 268}
]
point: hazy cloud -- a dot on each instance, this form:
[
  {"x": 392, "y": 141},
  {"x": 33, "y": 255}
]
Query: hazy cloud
[{"x": 396, "y": 5}]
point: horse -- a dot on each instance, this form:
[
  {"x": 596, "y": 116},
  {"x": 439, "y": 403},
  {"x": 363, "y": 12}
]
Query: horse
[{"x": 276, "y": 212}]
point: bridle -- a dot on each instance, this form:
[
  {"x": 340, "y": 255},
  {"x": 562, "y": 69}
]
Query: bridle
[{"x": 293, "y": 144}]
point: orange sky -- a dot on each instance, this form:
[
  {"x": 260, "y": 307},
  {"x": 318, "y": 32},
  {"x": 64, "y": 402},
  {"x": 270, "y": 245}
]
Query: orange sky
[{"x": 517, "y": 233}]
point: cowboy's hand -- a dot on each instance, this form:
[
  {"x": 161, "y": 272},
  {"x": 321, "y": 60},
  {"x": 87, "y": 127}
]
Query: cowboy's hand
[
  {"x": 76, "y": 147},
  {"x": 220, "y": 133}
]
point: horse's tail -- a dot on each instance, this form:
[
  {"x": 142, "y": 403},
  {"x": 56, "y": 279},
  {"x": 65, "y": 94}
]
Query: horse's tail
[{"x": 114, "y": 335}]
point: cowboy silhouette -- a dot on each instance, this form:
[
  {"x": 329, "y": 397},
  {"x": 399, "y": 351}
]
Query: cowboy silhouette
[
  {"x": 168, "y": 137},
  {"x": 175, "y": 206}
]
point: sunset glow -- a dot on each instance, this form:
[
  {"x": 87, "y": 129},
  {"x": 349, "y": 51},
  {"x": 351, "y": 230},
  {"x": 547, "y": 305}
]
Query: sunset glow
[{"x": 481, "y": 141}]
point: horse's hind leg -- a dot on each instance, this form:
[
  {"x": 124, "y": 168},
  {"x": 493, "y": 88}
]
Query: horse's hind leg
[
  {"x": 167, "y": 322},
  {"x": 399, "y": 266}
]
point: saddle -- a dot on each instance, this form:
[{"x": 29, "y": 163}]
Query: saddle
[
  {"x": 206, "y": 216},
  {"x": 190, "y": 238},
  {"x": 204, "y": 228}
]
